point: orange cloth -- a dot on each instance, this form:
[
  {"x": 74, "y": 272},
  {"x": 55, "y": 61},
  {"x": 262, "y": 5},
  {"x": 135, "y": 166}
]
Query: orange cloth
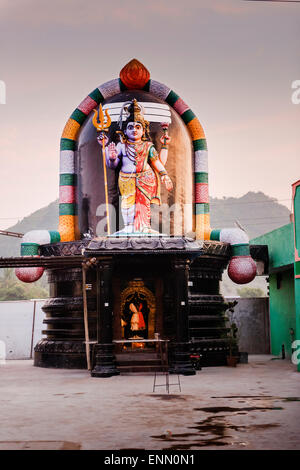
[{"x": 142, "y": 324}]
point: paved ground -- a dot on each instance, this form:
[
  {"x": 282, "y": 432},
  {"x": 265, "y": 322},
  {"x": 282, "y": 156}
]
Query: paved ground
[{"x": 253, "y": 406}]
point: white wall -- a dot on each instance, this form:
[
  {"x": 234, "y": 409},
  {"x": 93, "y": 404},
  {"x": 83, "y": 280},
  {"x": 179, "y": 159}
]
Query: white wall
[{"x": 17, "y": 327}]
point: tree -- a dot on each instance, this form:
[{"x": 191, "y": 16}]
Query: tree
[
  {"x": 13, "y": 289},
  {"x": 12, "y": 292},
  {"x": 250, "y": 292}
]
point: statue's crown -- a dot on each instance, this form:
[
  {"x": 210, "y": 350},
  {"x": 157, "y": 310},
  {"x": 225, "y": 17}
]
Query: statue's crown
[{"x": 134, "y": 112}]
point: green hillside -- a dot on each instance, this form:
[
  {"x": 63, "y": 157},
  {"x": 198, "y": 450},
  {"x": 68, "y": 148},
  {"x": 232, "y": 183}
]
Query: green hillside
[
  {"x": 255, "y": 212},
  {"x": 45, "y": 218}
]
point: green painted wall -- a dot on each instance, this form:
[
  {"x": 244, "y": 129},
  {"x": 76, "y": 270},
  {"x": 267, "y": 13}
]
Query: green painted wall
[
  {"x": 297, "y": 218},
  {"x": 297, "y": 262},
  {"x": 280, "y": 244},
  {"x": 297, "y": 307},
  {"x": 282, "y": 312},
  {"x": 284, "y": 302}
]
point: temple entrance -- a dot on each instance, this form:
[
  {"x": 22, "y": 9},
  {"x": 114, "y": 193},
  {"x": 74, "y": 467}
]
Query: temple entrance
[
  {"x": 137, "y": 321},
  {"x": 137, "y": 314}
]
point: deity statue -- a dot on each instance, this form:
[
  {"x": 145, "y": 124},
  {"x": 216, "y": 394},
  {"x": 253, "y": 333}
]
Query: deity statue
[
  {"x": 134, "y": 319},
  {"x": 137, "y": 321},
  {"x": 142, "y": 169}
]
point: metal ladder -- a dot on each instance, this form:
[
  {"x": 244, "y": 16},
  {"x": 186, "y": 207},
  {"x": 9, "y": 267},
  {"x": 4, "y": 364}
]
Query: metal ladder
[{"x": 163, "y": 350}]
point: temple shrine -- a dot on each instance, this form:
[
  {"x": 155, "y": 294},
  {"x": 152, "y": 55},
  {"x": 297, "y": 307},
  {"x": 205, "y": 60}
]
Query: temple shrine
[{"x": 134, "y": 258}]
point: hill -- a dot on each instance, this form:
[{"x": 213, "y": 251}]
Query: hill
[
  {"x": 256, "y": 212},
  {"x": 45, "y": 218}
]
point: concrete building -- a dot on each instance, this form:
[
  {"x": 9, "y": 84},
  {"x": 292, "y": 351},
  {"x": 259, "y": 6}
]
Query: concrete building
[{"x": 284, "y": 282}]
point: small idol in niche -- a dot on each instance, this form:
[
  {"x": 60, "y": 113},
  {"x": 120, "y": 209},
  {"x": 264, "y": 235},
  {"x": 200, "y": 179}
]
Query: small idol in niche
[{"x": 134, "y": 318}]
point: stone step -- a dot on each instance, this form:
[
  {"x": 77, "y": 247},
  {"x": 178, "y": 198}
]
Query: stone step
[
  {"x": 138, "y": 359},
  {"x": 139, "y": 369},
  {"x": 207, "y": 342},
  {"x": 146, "y": 362},
  {"x": 70, "y": 320},
  {"x": 202, "y": 318},
  {"x": 139, "y": 356},
  {"x": 209, "y": 328},
  {"x": 67, "y": 333}
]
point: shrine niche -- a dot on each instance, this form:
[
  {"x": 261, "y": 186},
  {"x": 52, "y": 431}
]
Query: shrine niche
[
  {"x": 164, "y": 141},
  {"x": 137, "y": 312},
  {"x": 133, "y": 212},
  {"x": 86, "y": 185}
]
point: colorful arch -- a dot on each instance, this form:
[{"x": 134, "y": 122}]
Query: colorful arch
[
  {"x": 67, "y": 205},
  {"x": 134, "y": 75}
]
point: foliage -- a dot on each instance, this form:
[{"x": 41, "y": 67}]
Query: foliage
[
  {"x": 250, "y": 292},
  {"x": 232, "y": 330},
  {"x": 229, "y": 288},
  {"x": 233, "y": 339},
  {"x": 230, "y": 306},
  {"x": 13, "y": 289}
]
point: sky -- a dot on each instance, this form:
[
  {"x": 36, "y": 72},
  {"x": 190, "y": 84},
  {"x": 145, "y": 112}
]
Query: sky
[{"x": 232, "y": 61}]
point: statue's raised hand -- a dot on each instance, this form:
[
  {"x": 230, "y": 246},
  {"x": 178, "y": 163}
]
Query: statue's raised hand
[
  {"x": 112, "y": 151},
  {"x": 165, "y": 139},
  {"x": 167, "y": 182},
  {"x": 100, "y": 137}
]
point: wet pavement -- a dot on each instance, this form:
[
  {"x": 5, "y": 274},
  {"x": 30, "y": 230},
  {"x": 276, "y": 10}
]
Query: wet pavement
[{"x": 252, "y": 406}]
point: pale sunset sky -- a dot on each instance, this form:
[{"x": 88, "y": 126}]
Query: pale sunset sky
[{"x": 232, "y": 61}]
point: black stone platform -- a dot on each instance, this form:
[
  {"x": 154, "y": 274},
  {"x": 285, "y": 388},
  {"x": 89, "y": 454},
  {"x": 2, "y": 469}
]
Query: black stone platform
[{"x": 183, "y": 274}]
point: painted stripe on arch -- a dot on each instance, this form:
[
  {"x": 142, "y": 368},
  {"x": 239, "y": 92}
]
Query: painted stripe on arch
[
  {"x": 67, "y": 162},
  {"x": 201, "y": 161},
  {"x": 68, "y": 179},
  {"x": 67, "y": 144},
  {"x": 199, "y": 144},
  {"x": 201, "y": 177},
  {"x": 201, "y": 208},
  {"x": 68, "y": 209}
]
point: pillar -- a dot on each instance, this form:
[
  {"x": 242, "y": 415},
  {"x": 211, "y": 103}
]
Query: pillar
[
  {"x": 181, "y": 363},
  {"x": 104, "y": 349}
]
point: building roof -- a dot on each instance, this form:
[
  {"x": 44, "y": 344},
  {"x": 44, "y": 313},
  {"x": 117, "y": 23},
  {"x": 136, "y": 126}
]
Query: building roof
[{"x": 280, "y": 245}]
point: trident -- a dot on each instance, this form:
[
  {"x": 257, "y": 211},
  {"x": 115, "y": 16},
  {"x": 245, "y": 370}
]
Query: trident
[{"x": 102, "y": 127}]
